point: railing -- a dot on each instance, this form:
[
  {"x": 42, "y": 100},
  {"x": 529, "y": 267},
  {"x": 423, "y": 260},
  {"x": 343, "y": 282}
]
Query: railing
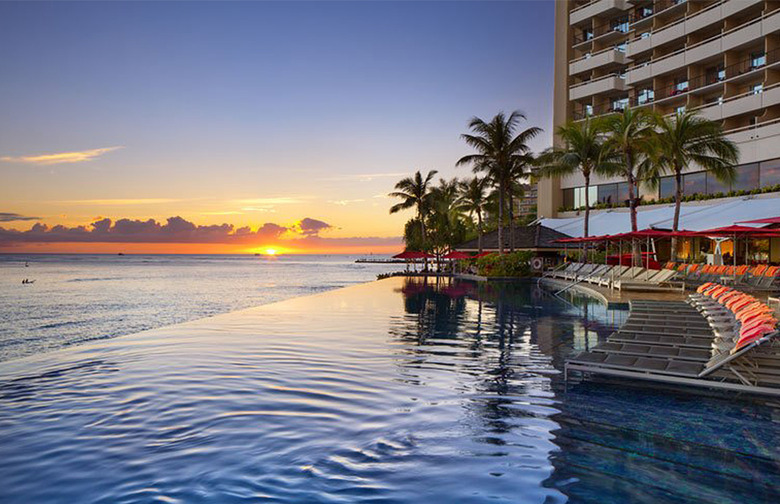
[
  {"x": 658, "y": 8},
  {"x": 708, "y": 79},
  {"x": 591, "y": 81},
  {"x": 752, "y": 126},
  {"x": 735, "y": 97},
  {"x": 593, "y": 55},
  {"x": 681, "y": 20},
  {"x": 711, "y": 39},
  {"x": 580, "y": 7}
]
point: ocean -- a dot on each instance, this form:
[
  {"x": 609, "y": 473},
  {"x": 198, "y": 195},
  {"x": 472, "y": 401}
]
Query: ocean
[{"x": 80, "y": 298}]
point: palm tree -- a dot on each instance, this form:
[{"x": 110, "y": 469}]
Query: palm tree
[
  {"x": 521, "y": 170},
  {"x": 584, "y": 151},
  {"x": 472, "y": 201},
  {"x": 415, "y": 192},
  {"x": 445, "y": 220},
  {"x": 687, "y": 139},
  {"x": 630, "y": 136},
  {"x": 499, "y": 151}
]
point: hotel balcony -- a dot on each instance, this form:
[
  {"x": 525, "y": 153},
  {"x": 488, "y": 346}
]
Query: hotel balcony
[
  {"x": 596, "y": 8},
  {"x": 606, "y": 84},
  {"x": 609, "y": 56},
  {"x": 751, "y": 101},
  {"x": 710, "y": 48},
  {"x": 689, "y": 24},
  {"x": 757, "y": 142}
]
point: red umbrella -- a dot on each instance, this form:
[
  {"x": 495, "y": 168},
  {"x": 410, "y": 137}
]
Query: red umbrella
[
  {"x": 736, "y": 230},
  {"x": 412, "y": 254},
  {"x": 456, "y": 254}
]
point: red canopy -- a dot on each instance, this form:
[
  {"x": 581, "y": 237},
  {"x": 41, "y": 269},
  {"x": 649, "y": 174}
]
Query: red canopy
[
  {"x": 770, "y": 220},
  {"x": 483, "y": 254},
  {"x": 456, "y": 254},
  {"x": 412, "y": 254},
  {"x": 736, "y": 230}
]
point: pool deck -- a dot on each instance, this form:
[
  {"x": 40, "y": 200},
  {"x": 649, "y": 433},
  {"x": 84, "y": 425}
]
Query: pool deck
[{"x": 608, "y": 295}]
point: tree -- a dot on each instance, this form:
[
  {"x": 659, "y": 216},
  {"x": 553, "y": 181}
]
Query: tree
[
  {"x": 584, "y": 151},
  {"x": 472, "y": 201},
  {"x": 630, "y": 137},
  {"x": 687, "y": 139},
  {"x": 415, "y": 192},
  {"x": 445, "y": 221},
  {"x": 498, "y": 152}
]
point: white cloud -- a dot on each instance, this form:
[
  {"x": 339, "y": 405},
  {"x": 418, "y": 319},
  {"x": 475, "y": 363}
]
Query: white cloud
[{"x": 60, "y": 157}]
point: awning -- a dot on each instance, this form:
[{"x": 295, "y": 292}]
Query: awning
[
  {"x": 770, "y": 220},
  {"x": 694, "y": 216},
  {"x": 456, "y": 254}
]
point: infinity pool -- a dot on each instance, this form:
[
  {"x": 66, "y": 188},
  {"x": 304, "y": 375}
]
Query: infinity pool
[{"x": 392, "y": 391}]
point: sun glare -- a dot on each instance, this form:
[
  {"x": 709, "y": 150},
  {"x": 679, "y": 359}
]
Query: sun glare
[{"x": 270, "y": 251}]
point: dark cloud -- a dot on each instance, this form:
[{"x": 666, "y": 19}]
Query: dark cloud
[
  {"x": 311, "y": 227},
  {"x": 10, "y": 217},
  {"x": 177, "y": 230}
]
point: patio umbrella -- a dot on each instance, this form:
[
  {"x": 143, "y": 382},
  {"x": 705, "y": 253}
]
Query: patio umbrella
[
  {"x": 735, "y": 231},
  {"x": 770, "y": 220},
  {"x": 456, "y": 254}
]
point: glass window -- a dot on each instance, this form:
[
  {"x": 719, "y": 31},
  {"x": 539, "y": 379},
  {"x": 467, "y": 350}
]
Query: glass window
[
  {"x": 681, "y": 85},
  {"x": 680, "y": 109},
  {"x": 645, "y": 96},
  {"x": 715, "y": 186},
  {"x": 588, "y": 110},
  {"x": 622, "y": 192},
  {"x": 666, "y": 189},
  {"x": 621, "y": 47},
  {"x": 608, "y": 193},
  {"x": 694, "y": 183},
  {"x": 757, "y": 59},
  {"x": 757, "y": 88},
  {"x": 619, "y": 104},
  {"x": 568, "y": 198},
  {"x": 747, "y": 177},
  {"x": 770, "y": 173}
]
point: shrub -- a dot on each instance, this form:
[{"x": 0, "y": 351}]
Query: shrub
[{"x": 514, "y": 264}]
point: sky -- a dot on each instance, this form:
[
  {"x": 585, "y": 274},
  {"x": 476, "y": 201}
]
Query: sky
[{"x": 242, "y": 126}]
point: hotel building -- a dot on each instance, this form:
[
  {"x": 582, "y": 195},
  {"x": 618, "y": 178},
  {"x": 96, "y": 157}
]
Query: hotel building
[{"x": 718, "y": 57}]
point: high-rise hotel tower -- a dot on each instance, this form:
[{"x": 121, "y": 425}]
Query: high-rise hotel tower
[{"x": 718, "y": 57}]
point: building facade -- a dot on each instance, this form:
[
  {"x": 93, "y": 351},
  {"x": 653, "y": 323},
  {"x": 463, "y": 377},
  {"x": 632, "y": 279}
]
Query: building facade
[{"x": 718, "y": 57}]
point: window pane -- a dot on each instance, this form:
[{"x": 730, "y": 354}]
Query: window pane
[
  {"x": 694, "y": 183},
  {"x": 747, "y": 177},
  {"x": 666, "y": 189},
  {"x": 715, "y": 186},
  {"x": 622, "y": 192},
  {"x": 608, "y": 193},
  {"x": 770, "y": 173},
  {"x": 568, "y": 198}
]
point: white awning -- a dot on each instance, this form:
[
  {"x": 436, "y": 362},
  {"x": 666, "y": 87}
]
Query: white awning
[{"x": 693, "y": 216}]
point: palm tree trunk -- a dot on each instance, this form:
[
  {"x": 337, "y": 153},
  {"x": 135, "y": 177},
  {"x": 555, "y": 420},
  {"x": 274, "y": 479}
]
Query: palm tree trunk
[
  {"x": 511, "y": 222},
  {"x": 422, "y": 230},
  {"x": 500, "y": 218},
  {"x": 678, "y": 191},
  {"x": 479, "y": 231},
  {"x": 632, "y": 211},
  {"x": 587, "y": 214}
]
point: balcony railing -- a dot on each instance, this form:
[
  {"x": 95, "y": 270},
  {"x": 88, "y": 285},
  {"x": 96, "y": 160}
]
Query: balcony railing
[
  {"x": 713, "y": 38},
  {"x": 681, "y": 20},
  {"x": 658, "y": 7}
]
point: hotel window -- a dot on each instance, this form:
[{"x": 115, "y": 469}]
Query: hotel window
[
  {"x": 757, "y": 59},
  {"x": 620, "y": 25},
  {"x": 621, "y": 47},
  {"x": 644, "y": 35},
  {"x": 747, "y": 177},
  {"x": 645, "y": 96},
  {"x": 715, "y": 74},
  {"x": 666, "y": 188},
  {"x": 587, "y": 34},
  {"x": 680, "y": 85},
  {"x": 695, "y": 183},
  {"x": 619, "y": 104},
  {"x": 757, "y": 88},
  {"x": 644, "y": 12},
  {"x": 680, "y": 109},
  {"x": 608, "y": 193},
  {"x": 588, "y": 110},
  {"x": 579, "y": 196},
  {"x": 568, "y": 198},
  {"x": 770, "y": 173},
  {"x": 622, "y": 192},
  {"x": 715, "y": 186}
]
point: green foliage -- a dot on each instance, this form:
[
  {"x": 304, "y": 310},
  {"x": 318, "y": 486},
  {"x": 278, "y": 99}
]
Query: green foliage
[{"x": 515, "y": 264}]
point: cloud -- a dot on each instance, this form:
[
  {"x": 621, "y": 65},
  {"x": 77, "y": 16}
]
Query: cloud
[
  {"x": 345, "y": 202},
  {"x": 174, "y": 230},
  {"x": 121, "y": 201},
  {"x": 10, "y": 217},
  {"x": 60, "y": 157},
  {"x": 268, "y": 201},
  {"x": 368, "y": 177},
  {"x": 310, "y": 227}
]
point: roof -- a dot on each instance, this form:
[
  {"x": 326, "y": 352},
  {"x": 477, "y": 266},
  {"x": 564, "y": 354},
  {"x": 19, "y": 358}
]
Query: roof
[
  {"x": 526, "y": 237},
  {"x": 693, "y": 216}
]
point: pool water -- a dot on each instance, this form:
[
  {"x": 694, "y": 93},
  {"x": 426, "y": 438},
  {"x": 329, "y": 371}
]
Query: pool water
[{"x": 393, "y": 391}]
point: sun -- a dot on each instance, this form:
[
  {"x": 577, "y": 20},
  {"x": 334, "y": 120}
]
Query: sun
[{"x": 270, "y": 251}]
